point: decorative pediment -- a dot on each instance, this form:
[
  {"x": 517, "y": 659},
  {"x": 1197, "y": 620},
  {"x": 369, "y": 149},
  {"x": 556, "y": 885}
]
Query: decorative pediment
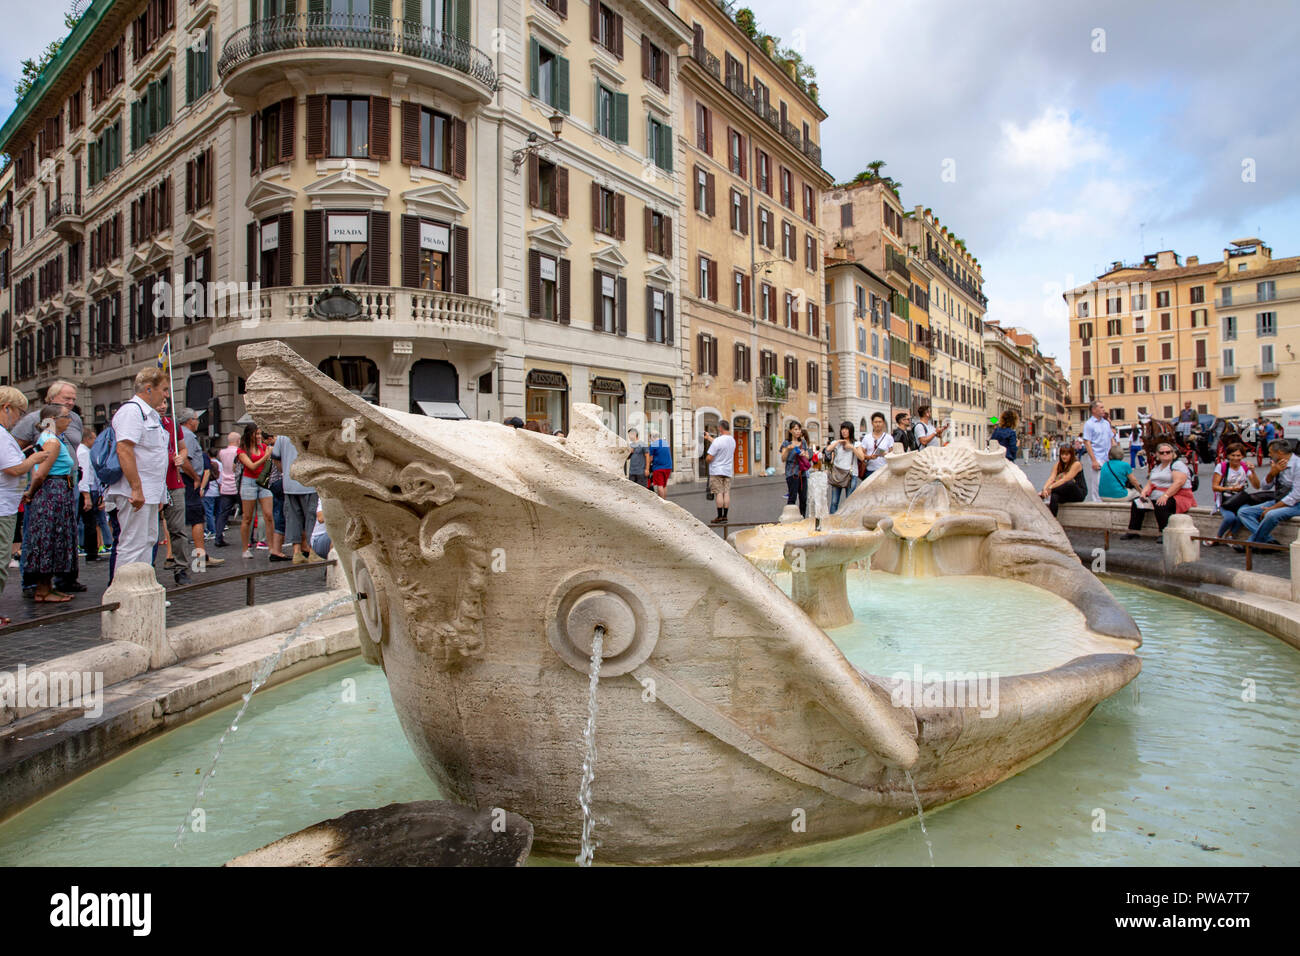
[
  {"x": 610, "y": 258},
  {"x": 268, "y": 199},
  {"x": 436, "y": 200},
  {"x": 197, "y": 234},
  {"x": 549, "y": 238},
  {"x": 346, "y": 188},
  {"x": 659, "y": 275},
  {"x": 103, "y": 280},
  {"x": 49, "y": 309},
  {"x": 72, "y": 297},
  {"x": 158, "y": 253}
]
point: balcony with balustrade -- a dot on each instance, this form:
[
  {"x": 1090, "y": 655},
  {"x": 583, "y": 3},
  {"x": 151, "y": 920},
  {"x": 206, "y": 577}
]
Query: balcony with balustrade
[
  {"x": 329, "y": 44},
  {"x": 66, "y": 217}
]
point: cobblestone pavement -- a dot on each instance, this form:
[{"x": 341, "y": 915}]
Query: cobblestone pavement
[{"x": 48, "y": 641}]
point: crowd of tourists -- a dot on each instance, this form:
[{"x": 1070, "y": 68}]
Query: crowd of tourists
[{"x": 149, "y": 486}]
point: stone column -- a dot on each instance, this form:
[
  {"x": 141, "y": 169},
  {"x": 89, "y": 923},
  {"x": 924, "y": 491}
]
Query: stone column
[
  {"x": 142, "y": 617},
  {"x": 1295, "y": 570},
  {"x": 1178, "y": 544}
]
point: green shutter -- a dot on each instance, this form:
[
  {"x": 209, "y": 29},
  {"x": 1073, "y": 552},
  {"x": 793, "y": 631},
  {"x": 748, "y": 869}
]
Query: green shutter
[
  {"x": 290, "y": 7},
  {"x": 315, "y": 6},
  {"x": 90, "y": 164},
  {"x": 165, "y": 98},
  {"x": 462, "y": 19},
  {"x": 252, "y": 11},
  {"x": 533, "y": 52},
  {"x": 381, "y": 8},
  {"x": 208, "y": 60},
  {"x": 666, "y": 147},
  {"x": 189, "y": 75},
  {"x": 561, "y": 84},
  {"x": 620, "y": 118},
  {"x": 411, "y": 13}
]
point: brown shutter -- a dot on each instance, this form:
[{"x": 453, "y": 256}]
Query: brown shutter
[
  {"x": 315, "y": 126},
  {"x": 701, "y": 365},
  {"x": 410, "y": 133},
  {"x": 254, "y": 140},
  {"x": 287, "y": 137},
  {"x": 713, "y": 359},
  {"x": 562, "y": 292},
  {"x": 595, "y": 20},
  {"x": 645, "y": 57},
  {"x": 208, "y": 189},
  {"x": 458, "y": 135},
  {"x": 709, "y": 190},
  {"x": 379, "y": 252},
  {"x": 668, "y": 317},
  {"x": 708, "y": 133},
  {"x": 596, "y": 222},
  {"x": 460, "y": 260},
  {"x": 713, "y": 280},
  {"x": 663, "y": 73},
  {"x": 562, "y": 192},
  {"x": 618, "y": 35},
  {"x": 534, "y": 284},
  {"x": 381, "y": 120},
  {"x": 189, "y": 186},
  {"x": 744, "y": 214},
  {"x": 620, "y": 216},
  {"x": 410, "y": 226},
  {"x": 251, "y": 252},
  {"x": 621, "y": 292},
  {"x": 313, "y": 247},
  {"x": 748, "y": 289},
  {"x": 595, "y": 299},
  {"x": 667, "y": 237},
  {"x": 534, "y": 183},
  {"x": 649, "y": 229},
  {"x": 562, "y": 8},
  {"x": 284, "y": 254}
]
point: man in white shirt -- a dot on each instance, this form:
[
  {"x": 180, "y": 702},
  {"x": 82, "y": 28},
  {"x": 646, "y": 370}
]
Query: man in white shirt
[
  {"x": 722, "y": 465},
  {"x": 1261, "y": 519},
  {"x": 927, "y": 435},
  {"x": 1098, "y": 436},
  {"x": 142, "y": 448}
]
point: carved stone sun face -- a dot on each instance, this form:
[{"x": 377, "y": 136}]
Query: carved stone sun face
[{"x": 954, "y": 466}]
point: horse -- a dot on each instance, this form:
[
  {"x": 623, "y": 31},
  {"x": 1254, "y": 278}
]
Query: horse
[{"x": 1156, "y": 431}]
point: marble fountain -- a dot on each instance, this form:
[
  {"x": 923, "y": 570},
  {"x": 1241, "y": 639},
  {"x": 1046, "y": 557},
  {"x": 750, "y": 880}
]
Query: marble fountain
[{"x": 487, "y": 560}]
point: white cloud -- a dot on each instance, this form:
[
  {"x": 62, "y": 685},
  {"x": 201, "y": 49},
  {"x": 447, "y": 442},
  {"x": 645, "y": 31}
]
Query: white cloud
[
  {"x": 1095, "y": 210},
  {"x": 1050, "y": 143}
]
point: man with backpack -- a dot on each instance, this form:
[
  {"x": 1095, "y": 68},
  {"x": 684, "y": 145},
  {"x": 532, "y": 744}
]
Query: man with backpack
[
  {"x": 137, "y": 467},
  {"x": 903, "y": 434}
]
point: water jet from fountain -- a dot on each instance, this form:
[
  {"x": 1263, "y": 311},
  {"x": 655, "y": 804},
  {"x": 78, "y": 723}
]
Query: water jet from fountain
[{"x": 589, "y": 760}]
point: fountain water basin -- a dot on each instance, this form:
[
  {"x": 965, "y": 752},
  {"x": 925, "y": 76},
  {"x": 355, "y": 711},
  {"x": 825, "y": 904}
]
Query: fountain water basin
[{"x": 488, "y": 556}]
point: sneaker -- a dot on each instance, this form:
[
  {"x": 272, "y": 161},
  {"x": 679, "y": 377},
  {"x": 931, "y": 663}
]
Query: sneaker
[
  {"x": 182, "y": 577},
  {"x": 248, "y": 552},
  {"x": 263, "y": 546},
  {"x": 299, "y": 558},
  {"x": 314, "y": 558},
  {"x": 215, "y": 562},
  {"x": 208, "y": 536},
  {"x": 13, "y": 564}
]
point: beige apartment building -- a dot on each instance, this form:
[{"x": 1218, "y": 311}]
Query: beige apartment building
[
  {"x": 1141, "y": 340},
  {"x": 433, "y": 209},
  {"x": 857, "y": 311},
  {"x": 1005, "y": 372},
  {"x": 752, "y": 275}
]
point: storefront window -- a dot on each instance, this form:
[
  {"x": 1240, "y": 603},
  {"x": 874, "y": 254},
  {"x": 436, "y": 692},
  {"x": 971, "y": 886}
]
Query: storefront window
[
  {"x": 609, "y": 394},
  {"x": 546, "y": 401},
  {"x": 659, "y": 411}
]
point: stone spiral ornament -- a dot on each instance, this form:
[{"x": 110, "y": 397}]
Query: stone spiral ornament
[{"x": 954, "y": 466}]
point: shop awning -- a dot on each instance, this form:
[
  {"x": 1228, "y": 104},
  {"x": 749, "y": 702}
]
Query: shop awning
[{"x": 441, "y": 409}]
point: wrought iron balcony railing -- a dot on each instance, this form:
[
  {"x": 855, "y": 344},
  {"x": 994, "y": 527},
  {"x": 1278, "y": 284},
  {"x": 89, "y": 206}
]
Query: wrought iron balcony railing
[
  {"x": 772, "y": 388},
  {"x": 62, "y": 206},
  {"x": 707, "y": 60},
  {"x": 355, "y": 31}
]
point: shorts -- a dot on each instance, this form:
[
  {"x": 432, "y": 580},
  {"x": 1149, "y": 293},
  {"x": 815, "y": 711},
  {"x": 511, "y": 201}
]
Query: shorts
[
  {"x": 660, "y": 476},
  {"x": 720, "y": 484},
  {"x": 250, "y": 490},
  {"x": 194, "y": 513}
]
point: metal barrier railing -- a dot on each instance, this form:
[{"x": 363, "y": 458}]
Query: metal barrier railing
[
  {"x": 250, "y": 577},
  {"x": 56, "y": 618}
]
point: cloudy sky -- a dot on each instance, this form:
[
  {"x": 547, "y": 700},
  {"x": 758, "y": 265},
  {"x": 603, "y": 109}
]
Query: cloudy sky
[{"x": 1070, "y": 147}]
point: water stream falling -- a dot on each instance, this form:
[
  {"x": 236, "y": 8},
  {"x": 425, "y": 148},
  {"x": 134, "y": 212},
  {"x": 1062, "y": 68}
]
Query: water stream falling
[
  {"x": 920, "y": 815},
  {"x": 589, "y": 759},
  {"x": 260, "y": 677}
]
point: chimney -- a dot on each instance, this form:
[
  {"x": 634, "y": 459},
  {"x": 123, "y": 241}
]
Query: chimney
[{"x": 1193, "y": 260}]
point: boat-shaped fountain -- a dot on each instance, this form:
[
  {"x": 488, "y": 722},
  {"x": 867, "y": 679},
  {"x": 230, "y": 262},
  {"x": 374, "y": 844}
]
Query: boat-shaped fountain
[{"x": 486, "y": 559}]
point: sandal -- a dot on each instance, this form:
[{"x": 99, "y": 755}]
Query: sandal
[{"x": 53, "y": 597}]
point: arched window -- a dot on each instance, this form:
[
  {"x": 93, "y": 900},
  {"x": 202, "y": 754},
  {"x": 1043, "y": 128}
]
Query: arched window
[
  {"x": 434, "y": 387},
  {"x": 358, "y": 374}
]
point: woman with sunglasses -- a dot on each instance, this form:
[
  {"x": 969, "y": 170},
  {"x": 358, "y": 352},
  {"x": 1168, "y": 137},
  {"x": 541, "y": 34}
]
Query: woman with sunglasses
[
  {"x": 1168, "y": 491},
  {"x": 1066, "y": 483}
]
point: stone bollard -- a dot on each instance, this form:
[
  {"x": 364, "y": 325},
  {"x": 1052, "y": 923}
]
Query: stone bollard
[
  {"x": 142, "y": 617},
  {"x": 1178, "y": 544},
  {"x": 1295, "y": 570}
]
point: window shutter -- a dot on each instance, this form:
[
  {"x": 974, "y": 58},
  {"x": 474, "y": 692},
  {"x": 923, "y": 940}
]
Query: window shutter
[
  {"x": 666, "y": 147},
  {"x": 668, "y": 317},
  {"x": 254, "y": 141},
  {"x": 595, "y": 299},
  {"x": 534, "y": 183},
  {"x": 744, "y": 214},
  {"x": 563, "y": 291},
  {"x": 410, "y": 226},
  {"x": 208, "y": 187},
  {"x": 748, "y": 289},
  {"x": 713, "y": 280},
  {"x": 462, "y": 19},
  {"x": 533, "y": 55},
  {"x": 313, "y": 247},
  {"x": 713, "y": 359},
  {"x": 648, "y": 218},
  {"x": 562, "y": 192},
  {"x": 251, "y": 252},
  {"x": 709, "y": 189},
  {"x": 562, "y": 84},
  {"x": 562, "y": 8},
  {"x": 620, "y": 219},
  {"x": 645, "y": 57},
  {"x": 285, "y": 252},
  {"x": 287, "y": 137},
  {"x": 380, "y": 247},
  {"x": 315, "y": 126},
  {"x": 700, "y": 358},
  {"x": 663, "y": 71},
  {"x": 458, "y": 132},
  {"x": 622, "y": 305},
  {"x": 667, "y": 237},
  {"x": 534, "y": 284},
  {"x": 460, "y": 260},
  {"x": 381, "y": 119},
  {"x": 189, "y": 186},
  {"x": 595, "y": 20},
  {"x": 410, "y": 133},
  {"x": 189, "y": 75},
  {"x": 596, "y": 207},
  {"x": 620, "y": 117},
  {"x": 649, "y": 313}
]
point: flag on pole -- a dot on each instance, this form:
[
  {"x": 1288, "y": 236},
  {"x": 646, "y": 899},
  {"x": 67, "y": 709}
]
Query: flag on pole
[{"x": 165, "y": 356}]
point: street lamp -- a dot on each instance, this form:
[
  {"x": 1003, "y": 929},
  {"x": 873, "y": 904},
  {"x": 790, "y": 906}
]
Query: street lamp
[{"x": 520, "y": 156}]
